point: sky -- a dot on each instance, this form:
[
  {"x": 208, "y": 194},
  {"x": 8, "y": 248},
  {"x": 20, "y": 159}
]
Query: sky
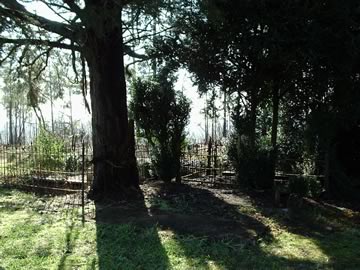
[{"x": 195, "y": 128}]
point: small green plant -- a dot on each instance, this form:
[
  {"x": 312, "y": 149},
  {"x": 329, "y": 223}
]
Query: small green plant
[
  {"x": 48, "y": 152},
  {"x": 72, "y": 163},
  {"x": 145, "y": 170},
  {"x": 253, "y": 165}
]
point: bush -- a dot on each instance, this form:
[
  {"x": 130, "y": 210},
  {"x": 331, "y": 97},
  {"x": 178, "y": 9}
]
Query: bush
[
  {"x": 254, "y": 166},
  {"x": 145, "y": 170},
  {"x": 298, "y": 185},
  {"x": 161, "y": 114},
  {"x": 343, "y": 186},
  {"x": 49, "y": 152},
  {"x": 305, "y": 186},
  {"x": 72, "y": 163}
]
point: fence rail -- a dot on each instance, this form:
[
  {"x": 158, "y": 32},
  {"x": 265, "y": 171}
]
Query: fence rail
[
  {"x": 66, "y": 167},
  {"x": 50, "y": 169},
  {"x": 56, "y": 168}
]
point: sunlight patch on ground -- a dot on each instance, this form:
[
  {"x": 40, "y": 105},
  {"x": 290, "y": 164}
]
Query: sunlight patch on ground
[
  {"x": 188, "y": 252},
  {"x": 295, "y": 247}
]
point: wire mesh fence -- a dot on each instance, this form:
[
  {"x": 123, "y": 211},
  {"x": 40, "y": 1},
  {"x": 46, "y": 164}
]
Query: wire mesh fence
[
  {"x": 66, "y": 169},
  {"x": 143, "y": 157},
  {"x": 207, "y": 163},
  {"x": 54, "y": 169},
  {"x": 62, "y": 168}
]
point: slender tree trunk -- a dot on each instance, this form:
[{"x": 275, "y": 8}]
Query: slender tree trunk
[
  {"x": 275, "y": 124},
  {"x": 253, "y": 110},
  {"x": 206, "y": 120},
  {"x": 225, "y": 115},
  {"x": 275, "y": 115},
  {"x": 327, "y": 169},
  {"x": 115, "y": 170},
  {"x": 209, "y": 154},
  {"x": 23, "y": 125},
  {"x": 11, "y": 134},
  {"x": 16, "y": 114},
  {"x": 51, "y": 106},
  {"x": 178, "y": 165},
  {"x": 71, "y": 113}
]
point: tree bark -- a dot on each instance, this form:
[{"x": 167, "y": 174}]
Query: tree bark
[{"x": 115, "y": 170}]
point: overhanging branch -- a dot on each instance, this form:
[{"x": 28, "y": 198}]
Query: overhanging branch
[
  {"x": 14, "y": 10},
  {"x": 132, "y": 53},
  {"x": 74, "y": 7},
  {"x": 39, "y": 42}
]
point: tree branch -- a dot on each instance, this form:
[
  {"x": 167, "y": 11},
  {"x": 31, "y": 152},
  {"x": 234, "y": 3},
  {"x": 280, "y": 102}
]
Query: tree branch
[
  {"x": 74, "y": 7},
  {"x": 132, "y": 53},
  {"x": 39, "y": 42},
  {"x": 47, "y": 54},
  {"x": 14, "y": 9},
  {"x": 11, "y": 51},
  {"x": 58, "y": 13}
]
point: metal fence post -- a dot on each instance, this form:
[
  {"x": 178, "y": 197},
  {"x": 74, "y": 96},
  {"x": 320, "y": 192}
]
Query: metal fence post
[{"x": 82, "y": 182}]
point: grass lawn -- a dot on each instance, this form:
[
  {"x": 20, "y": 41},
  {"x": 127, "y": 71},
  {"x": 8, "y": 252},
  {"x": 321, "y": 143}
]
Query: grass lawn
[{"x": 32, "y": 237}]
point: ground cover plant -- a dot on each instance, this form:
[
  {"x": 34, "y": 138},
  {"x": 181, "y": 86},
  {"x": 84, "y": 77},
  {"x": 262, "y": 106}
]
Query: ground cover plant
[{"x": 175, "y": 227}]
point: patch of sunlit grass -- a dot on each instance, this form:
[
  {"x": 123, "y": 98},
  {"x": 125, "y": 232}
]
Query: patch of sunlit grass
[{"x": 295, "y": 247}]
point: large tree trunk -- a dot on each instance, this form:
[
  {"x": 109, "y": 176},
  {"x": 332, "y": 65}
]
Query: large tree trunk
[{"x": 115, "y": 170}]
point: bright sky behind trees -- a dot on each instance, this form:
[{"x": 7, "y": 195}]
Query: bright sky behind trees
[{"x": 195, "y": 128}]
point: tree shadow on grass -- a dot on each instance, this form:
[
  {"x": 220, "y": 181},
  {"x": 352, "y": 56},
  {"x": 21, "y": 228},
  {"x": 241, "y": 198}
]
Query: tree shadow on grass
[
  {"x": 226, "y": 237},
  {"x": 336, "y": 236},
  {"x": 194, "y": 228},
  {"x": 123, "y": 243},
  {"x": 190, "y": 210},
  {"x": 70, "y": 239},
  {"x": 5, "y": 191}
]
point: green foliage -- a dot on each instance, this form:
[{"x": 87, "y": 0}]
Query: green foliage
[
  {"x": 161, "y": 113},
  {"x": 72, "y": 163},
  {"x": 253, "y": 165},
  {"x": 49, "y": 152},
  {"x": 305, "y": 186}
]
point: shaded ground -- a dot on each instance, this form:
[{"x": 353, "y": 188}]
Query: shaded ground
[
  {"x": 220, "y": 212},
  {"x": 186, "y": 209},
  {"x": 321, "y": 241}
]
